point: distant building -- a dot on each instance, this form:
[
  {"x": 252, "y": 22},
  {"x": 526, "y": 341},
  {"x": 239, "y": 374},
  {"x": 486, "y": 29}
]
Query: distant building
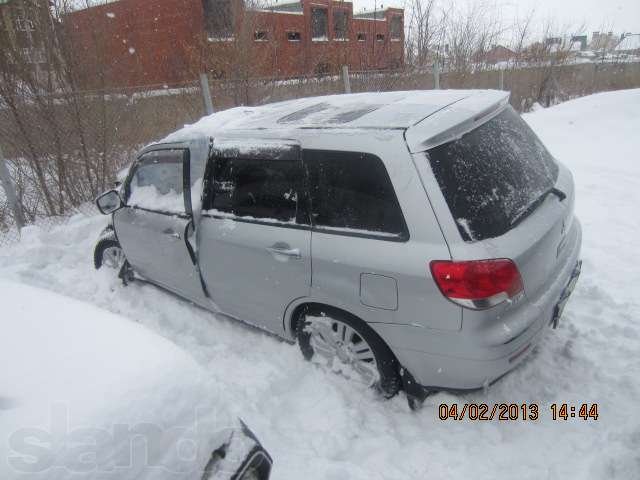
[
  {"x": 629, "y": 44},
  {"x": 498, "y": 54},
  {"x": 579, "y": 42},
  {"x": 601, "y": 41},
  {"x": 167, "y": 42},
  {"x": 565, "y": 47},
  {"x": 19, "y": 36}
]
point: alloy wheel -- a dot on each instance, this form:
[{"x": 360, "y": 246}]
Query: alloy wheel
[
  {"x": 341, "y": 345},
  {"x": 113, "y": 257}
]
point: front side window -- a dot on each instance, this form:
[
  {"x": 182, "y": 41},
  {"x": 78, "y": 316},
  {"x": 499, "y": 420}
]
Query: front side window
[
  {"x": 157, "y": 182},
  {"x": 255, "y": 189},
  {"x": 340, "y": 24},
  {"x": 351, "y": 193},
  {"x": 319, "y": 24}
]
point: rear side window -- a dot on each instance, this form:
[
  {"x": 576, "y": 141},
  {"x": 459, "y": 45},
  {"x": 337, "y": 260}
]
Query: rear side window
[
  {"x": 157, "y": 182},
  {"x": 257, "y": 189},
  {"x": 352, "y": 193},
  {"x": 494, "y": 176}
]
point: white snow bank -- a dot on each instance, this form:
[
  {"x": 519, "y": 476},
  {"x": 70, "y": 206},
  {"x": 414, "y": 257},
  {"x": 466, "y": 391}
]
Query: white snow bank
[
  {"x": 84, "y": 382},
  {"x": 317, "y": 425}
]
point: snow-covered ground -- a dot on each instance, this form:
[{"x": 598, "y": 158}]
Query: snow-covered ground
[
  {"x": 318, "y": 425},
  {"x": 62, "y": 376}
]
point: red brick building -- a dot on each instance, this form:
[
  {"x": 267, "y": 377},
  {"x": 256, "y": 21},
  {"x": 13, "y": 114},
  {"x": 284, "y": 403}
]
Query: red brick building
[
  {"x": 499, "y": 53},
  {"x": 130, "y": 43}
]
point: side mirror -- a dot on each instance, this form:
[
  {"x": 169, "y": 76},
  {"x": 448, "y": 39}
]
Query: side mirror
[
  {"x": 109, "y": 202},
  {"x": 241, "y": 457}
]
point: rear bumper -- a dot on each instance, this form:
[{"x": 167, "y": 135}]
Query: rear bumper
[
  {"x": 472, "y": 364},
  {"x": 440, "y": 372}
]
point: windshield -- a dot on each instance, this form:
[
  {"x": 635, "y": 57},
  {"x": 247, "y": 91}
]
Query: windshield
[{"x": 494, "y": 176}]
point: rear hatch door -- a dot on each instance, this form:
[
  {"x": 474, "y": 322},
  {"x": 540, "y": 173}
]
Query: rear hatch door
[{"x": 504, "y": 196}]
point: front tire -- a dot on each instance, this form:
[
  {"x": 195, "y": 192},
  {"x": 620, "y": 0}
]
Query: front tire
[
  {"x": 347, "y": 344},
  {"x": 108, "y": 253}
]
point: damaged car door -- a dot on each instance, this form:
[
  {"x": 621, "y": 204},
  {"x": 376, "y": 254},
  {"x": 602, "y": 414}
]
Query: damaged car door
[{"x": 154, "y": 225}]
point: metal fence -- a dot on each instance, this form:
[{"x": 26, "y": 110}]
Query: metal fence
[
  {"x": 546, "y": 83},
  {"x": 128, "y": 118}
]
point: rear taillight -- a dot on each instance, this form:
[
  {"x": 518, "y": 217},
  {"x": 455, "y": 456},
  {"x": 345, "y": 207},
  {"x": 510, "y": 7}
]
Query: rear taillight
[{"x": 477, "y": 284}]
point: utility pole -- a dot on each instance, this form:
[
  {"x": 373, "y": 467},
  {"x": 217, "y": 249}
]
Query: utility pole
[
  {"x": 345, "y": 79},
  {"x": 375, "y": 31},
  {"x": 9, "y": 190},
  {"x": 206, "y": 94}
]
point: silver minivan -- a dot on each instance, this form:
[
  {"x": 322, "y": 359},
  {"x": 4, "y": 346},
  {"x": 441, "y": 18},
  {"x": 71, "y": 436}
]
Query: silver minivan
[{"x": 411, "y": 240}]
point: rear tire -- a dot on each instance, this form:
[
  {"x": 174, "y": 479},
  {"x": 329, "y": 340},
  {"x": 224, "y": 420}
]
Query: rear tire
[{"x": 342, "y": 339}]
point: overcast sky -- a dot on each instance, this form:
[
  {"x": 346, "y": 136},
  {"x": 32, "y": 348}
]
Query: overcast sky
[{"x": 617, "y": 15}]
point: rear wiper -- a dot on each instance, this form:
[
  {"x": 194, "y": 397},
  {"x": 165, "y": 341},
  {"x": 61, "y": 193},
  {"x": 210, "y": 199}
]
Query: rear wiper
[{"x": 557, "y": 192}]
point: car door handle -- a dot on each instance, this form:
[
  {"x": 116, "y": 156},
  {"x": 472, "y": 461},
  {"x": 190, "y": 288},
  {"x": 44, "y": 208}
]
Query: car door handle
[
  {"x": 170, "y": 233},
  {"x": 287, "y": 252}
]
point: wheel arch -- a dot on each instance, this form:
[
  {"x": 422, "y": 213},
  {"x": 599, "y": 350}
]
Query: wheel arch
[
  {"x": 106, "y": 239},
  {"x": 303, "y": 305},
  {"x": 393, "y": 379}
]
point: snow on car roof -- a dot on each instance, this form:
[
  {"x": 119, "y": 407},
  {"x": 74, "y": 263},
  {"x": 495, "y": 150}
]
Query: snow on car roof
[
  {"x": 71, "y": 362},
  {"x": 381, "y": 110}
]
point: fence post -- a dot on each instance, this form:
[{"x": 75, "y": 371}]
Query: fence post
[
  {"x": 436, "y": 74},
  {"x": 345, "y": 79},
  {"x": 501, "y": 80},
  {"x": 10, "y": 192},
  {"x": 206, "y": 94}
]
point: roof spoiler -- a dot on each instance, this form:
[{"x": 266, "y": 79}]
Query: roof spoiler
[{"x": 453, "y": 121}]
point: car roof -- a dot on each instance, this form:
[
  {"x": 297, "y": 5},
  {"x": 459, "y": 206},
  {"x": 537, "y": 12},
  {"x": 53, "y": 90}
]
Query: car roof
[
  {"x": 78, "y": 341},
  {"x": 361, "y": 111},
  {"x": 103, "y": 368}
]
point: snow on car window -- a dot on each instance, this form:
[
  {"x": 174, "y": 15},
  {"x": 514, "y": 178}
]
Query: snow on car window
[
  {"x": 157, "y": 183},
  {"x": 493, "y": 176},
  {"x": 150, "y": 198},
  {"x": 256, "y": 189}
]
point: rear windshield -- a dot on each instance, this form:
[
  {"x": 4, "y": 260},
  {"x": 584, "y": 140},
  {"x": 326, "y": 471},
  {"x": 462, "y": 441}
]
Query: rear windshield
[{"x": 494, "y": 176}]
